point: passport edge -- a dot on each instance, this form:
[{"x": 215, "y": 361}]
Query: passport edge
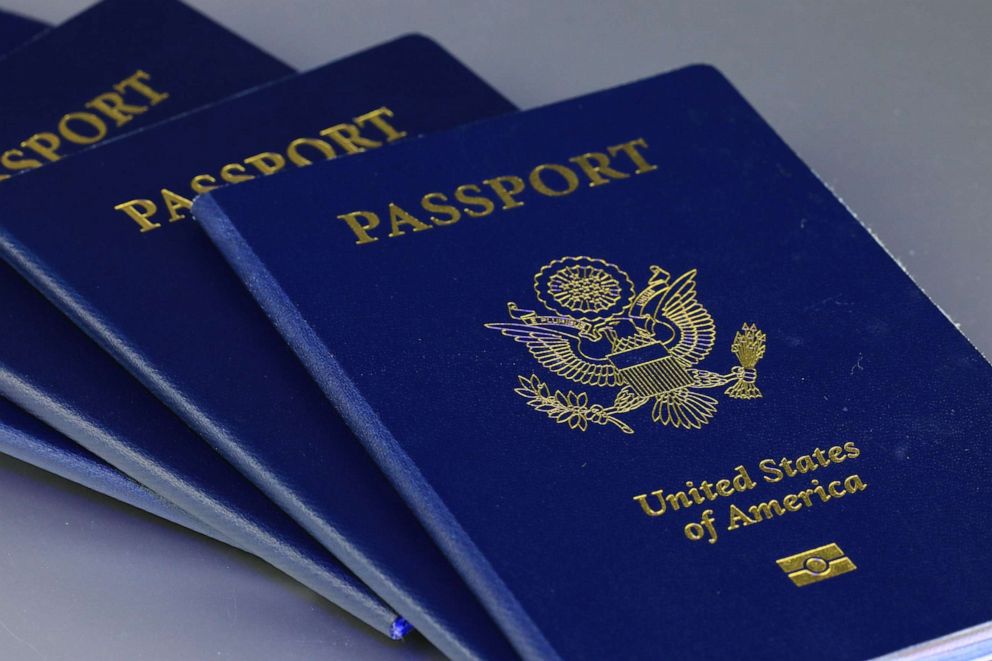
[
  {"x": 103, "y": 479},
  {"x": 403, "y": 473}
]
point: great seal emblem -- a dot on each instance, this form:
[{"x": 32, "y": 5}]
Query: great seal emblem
[{"x": 600, "y": 331}]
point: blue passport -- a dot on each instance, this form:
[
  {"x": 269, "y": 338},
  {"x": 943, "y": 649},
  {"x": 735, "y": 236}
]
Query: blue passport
[
  {"x": 119, "y": 65},
  {"x": 650, "y": 385},
  {"x": 113, "y": 68},
  {"x": 24, "y": 437},
  {"x": 30, "y": 440},
  {"x": 15, "y": 30},
  {"x": 142, "y": 279}
]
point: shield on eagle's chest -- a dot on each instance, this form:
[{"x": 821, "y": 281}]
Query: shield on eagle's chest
[{"x": 650, "y": 369}]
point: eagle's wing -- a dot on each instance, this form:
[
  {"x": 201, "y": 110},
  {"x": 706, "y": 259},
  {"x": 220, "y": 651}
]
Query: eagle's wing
[
  {"x": 696, "y": 331},
  {"x": 559, "y": 352}
]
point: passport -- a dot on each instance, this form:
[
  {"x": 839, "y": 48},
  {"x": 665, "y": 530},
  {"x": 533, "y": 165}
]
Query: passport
[
  {"x": 646, "y": 380},
  {"x": 139, "y": 276},
  {"x": 15, "y": 30},
  {"x": 113, "y": 68},
  {"x": 117, "y": 67},
  {"x": 30, "y": 440}
]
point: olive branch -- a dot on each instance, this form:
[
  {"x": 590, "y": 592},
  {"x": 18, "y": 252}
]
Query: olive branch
[{"x": 569, "y": 408}]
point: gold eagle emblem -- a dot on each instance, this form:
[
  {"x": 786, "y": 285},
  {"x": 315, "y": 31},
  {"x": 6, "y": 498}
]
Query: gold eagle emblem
[{"x": 600, "y": 331}]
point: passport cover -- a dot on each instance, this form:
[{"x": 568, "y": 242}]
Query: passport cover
[
  {"x": 143, "y": 280},
  {"x": 123, "y": 59},
  {"x": 647, "y": 381},
  {"x": 29, "y": 440},
  {"x": 113, "y": 68},
  {"x": 15, "y": 30},
  {"x": 117, "y": 67}
]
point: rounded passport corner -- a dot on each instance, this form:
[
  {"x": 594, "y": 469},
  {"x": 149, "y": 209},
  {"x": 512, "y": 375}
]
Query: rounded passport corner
[
  {"x": 419, "y": 39},
  {"x": 702, "y": 68}
]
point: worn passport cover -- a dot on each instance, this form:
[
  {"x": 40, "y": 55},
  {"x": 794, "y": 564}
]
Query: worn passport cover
[
  {"x": 15, "y": 30},
  {"x": 139, "y": 275},
  {"x": 116, "y": 67},
  {"x": 649, "y": 383},
  {"x": 112, "y": 68}
]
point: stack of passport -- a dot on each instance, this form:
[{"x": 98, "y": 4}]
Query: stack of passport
[{"x": 614, "y": 378}]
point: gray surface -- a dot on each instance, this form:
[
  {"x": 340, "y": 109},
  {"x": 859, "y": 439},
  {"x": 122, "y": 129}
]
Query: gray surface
[{"x": 891, "y": 102}]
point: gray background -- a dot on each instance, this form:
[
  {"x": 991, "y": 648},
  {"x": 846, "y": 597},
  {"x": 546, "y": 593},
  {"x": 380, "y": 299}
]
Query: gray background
[{"x": 891, "y": 102}]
